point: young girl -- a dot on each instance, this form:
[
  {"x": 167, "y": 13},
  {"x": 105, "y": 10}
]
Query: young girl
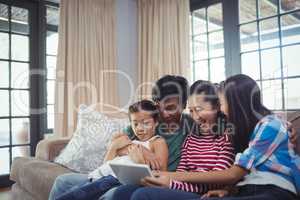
[
  {"x": 266, "y": 167},
  {"x": 209, "y": 149},
  {"x": 144, "y": 119}
]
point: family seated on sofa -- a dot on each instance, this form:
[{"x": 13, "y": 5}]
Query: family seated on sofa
[{"x": 230, "y": 147}]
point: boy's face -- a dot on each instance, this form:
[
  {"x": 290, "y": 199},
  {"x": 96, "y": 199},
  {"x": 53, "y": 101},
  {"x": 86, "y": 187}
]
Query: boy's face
[
  {"x": 143, "y": 125},
  {"x": 170, "y": 110}
]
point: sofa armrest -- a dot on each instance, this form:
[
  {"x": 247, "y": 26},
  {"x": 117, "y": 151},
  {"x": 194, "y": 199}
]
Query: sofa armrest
[{"x": 48, "y": 149}]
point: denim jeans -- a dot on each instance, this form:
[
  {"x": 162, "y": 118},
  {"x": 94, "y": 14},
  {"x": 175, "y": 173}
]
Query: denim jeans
[
  {"x": 70, "y": 181},
  {"x": 259, "y": 192},
  {"x": 133, "y": 192},
  {"x": 91, "y": 190}
]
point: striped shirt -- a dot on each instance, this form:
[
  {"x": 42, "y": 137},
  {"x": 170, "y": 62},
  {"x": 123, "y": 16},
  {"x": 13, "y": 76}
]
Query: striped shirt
[{"x": 202, "y": 154}]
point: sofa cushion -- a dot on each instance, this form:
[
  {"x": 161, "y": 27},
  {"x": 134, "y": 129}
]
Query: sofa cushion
[
  {"x": 87, "y": 147},
  {"x": 36, "y": 176}
]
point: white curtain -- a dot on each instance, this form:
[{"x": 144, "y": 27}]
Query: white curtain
[
  {"x": 163, "y": 40},
  {"x": 86, "y": 60}
]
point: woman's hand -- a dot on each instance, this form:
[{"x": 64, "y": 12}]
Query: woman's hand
[
  {"x": 156, "y": 181},
  {"x": 119, "y": 142},
  {"x": 215, "y": 193},
  {"x": 135, "y": 152}
]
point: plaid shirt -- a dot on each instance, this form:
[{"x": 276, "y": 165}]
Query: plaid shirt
[{"x": 270, "y": 150}]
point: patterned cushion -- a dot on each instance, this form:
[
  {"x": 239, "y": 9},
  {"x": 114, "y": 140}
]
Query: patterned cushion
[{"x": 86, "y": 150}]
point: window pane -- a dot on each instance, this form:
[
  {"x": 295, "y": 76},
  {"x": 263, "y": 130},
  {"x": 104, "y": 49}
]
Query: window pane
[
  {"x": 4, "y": 132},
  {"x": 50, "y": 92},
  {"x": 217, "y": 70},
  {"x": 20, "y": 131},
  {"x": 288, "y": 5},
  {"x": 20, "y": 103},
  {"x": 269, "y": 33},
  {"x": 19, "y": 75},
  {"x": 4, "y": 17},
  {"x": 4, "y": 103},
  {"x": 52, "y": 15},
  {"x": 247, "y": 10},
  {"x": 52, "y": 42},
  {"x": 291, "y": 89},
  {"x": 200, "y": 47},
  {"x": 270, "y": 63},
  {"x": 51, "y": 66},
  {"x": 248, "y": 36},
  {"x": 267, "y": 8},
  {"x": 201, "y": 70},
  {"x": 290, "y": 28},
  {"x": 290, "y": 56},
  {"x": 4, "y": 161},
  {"x": 50, "y": 121},
  {"x": 23, "y": 151},
  {"x": 215, "y": 17},
  {"x": 4, "y": 74},
  {"x": 20, "y": 47},
  {"x": 272, "y": 94},
  {"x": 216, "y": 44},
  {"x": 199, "y": 21},
  {"x": 250, "y": 65},
  {"x": 19, "y": 20},
  {"x": 4, "y": 40}
]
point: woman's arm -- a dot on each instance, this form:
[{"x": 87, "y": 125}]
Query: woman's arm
[{"x": 227, "y": 177}]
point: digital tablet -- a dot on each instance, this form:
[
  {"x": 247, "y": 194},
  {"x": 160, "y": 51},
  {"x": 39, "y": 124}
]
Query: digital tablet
[{"x": 130, "y": 174}]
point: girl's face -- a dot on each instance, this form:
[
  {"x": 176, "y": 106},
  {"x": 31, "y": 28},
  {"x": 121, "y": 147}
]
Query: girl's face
[
  {"x": 202, "y": 112},
  {"x": 223, "y": 104},
  {"x": 143, "y": 125}
]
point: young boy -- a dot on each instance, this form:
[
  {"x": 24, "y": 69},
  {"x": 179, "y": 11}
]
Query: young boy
[{"x": 144, "y": 120}]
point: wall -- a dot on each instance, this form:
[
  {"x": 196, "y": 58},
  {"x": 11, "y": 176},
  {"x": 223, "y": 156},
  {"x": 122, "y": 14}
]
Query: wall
[{"x": 126, "y": 49}]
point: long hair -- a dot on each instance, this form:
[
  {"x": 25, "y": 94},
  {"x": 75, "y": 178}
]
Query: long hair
[{"x": 245, "y": 107}]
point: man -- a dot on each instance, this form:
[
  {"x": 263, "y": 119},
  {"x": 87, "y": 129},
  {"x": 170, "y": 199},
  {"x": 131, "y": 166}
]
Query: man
[{"x": 170, "y": 93}]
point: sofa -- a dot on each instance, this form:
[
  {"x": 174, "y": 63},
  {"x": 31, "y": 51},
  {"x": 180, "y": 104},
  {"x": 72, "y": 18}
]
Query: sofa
[{"x": 34, "y": 176}]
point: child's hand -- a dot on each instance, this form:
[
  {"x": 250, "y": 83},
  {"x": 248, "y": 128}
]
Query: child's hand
[
  {"x": 117, "y": 135},
  {"x": 120, "y": 142},
  {"x": 215, "y": 193}
]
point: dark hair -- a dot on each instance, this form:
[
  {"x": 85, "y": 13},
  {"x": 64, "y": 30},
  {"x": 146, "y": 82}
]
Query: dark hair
[
  {"x": 170, "y": 85},
  {"x": 208, "y": 89},
  {"x": 245, "y": 108},
  {"x": 211, "y": 95},
  {"x": 144, "y": 105}
]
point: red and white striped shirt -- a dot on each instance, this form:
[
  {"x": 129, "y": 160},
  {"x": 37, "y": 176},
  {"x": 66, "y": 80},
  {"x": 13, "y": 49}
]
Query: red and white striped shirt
[{"x": 202, "y": 154}]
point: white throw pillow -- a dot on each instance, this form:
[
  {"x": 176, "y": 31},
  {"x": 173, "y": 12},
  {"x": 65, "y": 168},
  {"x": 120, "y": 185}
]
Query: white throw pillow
[{"x": 86, "y": 149}]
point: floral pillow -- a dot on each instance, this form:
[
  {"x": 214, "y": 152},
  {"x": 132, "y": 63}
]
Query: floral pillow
[{"x": 86, "y": 149}]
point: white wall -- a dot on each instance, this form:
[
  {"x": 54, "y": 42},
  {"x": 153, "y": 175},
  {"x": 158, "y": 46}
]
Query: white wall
[{"x": 126, "y": 48}]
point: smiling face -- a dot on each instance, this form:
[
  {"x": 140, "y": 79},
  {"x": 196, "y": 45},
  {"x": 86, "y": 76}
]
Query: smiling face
[
  {"x": 143, "y": 125},
  {"x": 202, "y": 112},
  {"x": 170, "y": 110}
]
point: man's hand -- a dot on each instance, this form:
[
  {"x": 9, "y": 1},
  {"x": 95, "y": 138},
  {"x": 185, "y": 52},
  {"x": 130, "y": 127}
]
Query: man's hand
[
  {"x": 151, "y": 159},
  {"x": 120, "y": 142},
  {"x": 156, "y": 181},
  {"x": 135, "y": 152}
]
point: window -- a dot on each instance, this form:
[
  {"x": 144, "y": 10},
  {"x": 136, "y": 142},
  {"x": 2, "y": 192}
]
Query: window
[
  {"x": 270, "y": 37},
  {"x": 16, "y": 86},
  {"x": 266, "y": 45},
  {"x": 207, "y": 44},
  {"x": 52, "y": 16}
]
